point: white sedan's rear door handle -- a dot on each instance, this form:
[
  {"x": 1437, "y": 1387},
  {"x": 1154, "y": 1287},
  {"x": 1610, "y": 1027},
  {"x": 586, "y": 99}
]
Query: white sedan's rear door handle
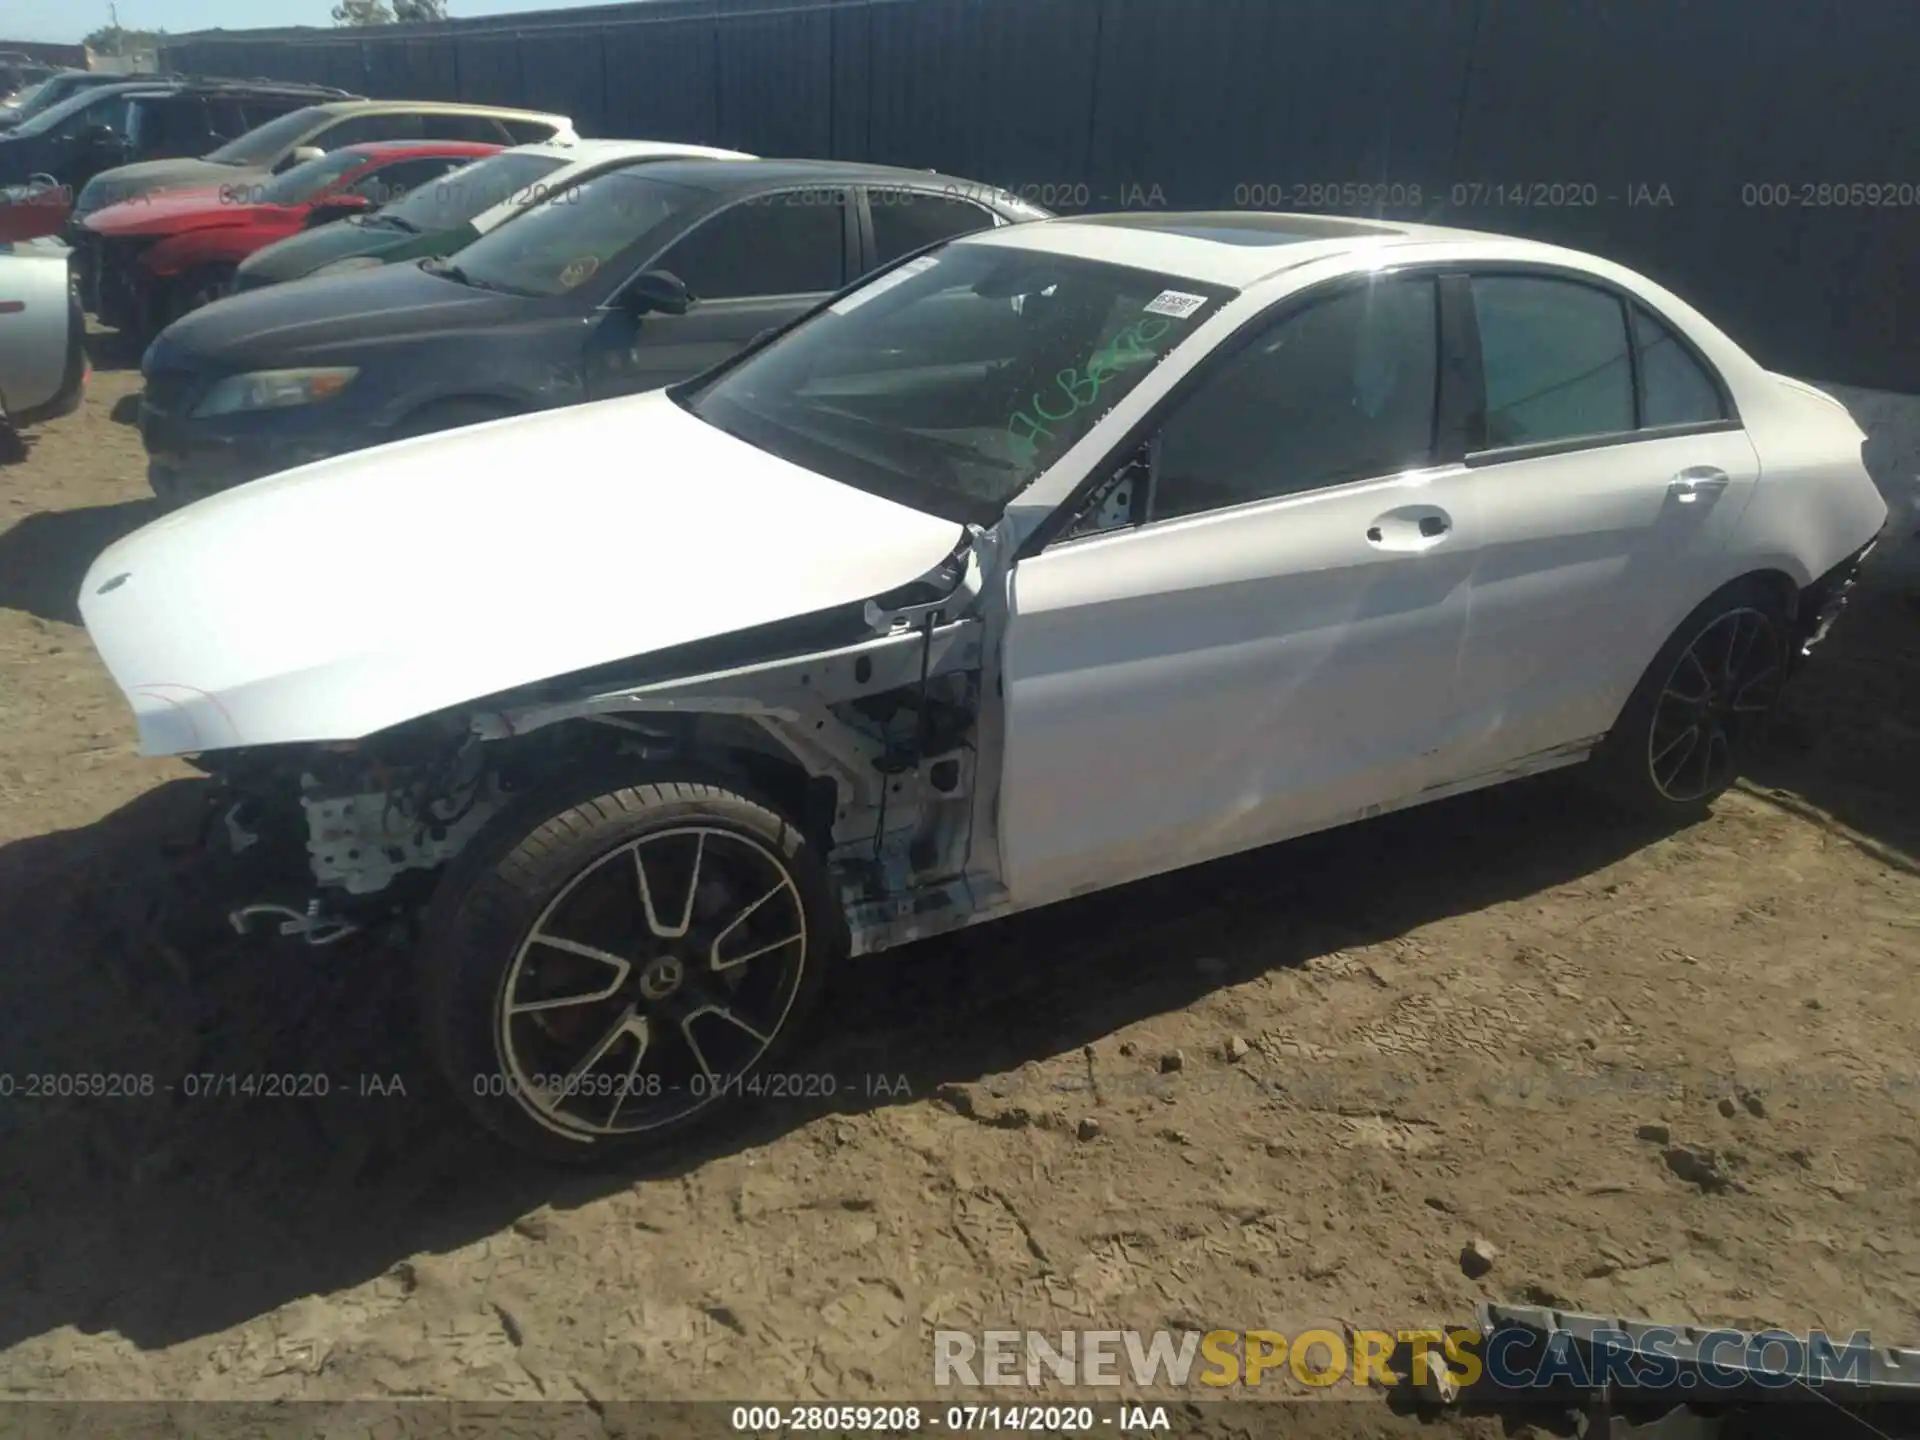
[{"x": 1690, "y": 485}]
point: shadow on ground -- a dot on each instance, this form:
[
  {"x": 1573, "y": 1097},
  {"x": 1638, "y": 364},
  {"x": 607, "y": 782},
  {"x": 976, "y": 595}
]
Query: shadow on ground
[
  {"x": 44, "y": 557},
  {"x": 1847, "y": 741},
  {"x": 164, "y": 1216},
  {"x": 113, "y": 349}
]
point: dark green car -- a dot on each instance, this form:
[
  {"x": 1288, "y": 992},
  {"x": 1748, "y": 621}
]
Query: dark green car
[{"x": 447, "y": 214}]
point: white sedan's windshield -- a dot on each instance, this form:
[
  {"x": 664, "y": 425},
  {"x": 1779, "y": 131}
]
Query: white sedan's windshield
[{"x": 951, "y": 382}]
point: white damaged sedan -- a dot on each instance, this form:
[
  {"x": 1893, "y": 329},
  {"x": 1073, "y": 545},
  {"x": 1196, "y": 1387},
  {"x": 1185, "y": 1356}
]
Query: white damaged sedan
[{"x": 1049, "y": 559}]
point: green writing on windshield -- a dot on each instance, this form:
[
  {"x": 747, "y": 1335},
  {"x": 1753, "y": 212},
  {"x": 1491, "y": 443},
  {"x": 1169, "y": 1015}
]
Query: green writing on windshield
[{"x": 1074, "y": 390}]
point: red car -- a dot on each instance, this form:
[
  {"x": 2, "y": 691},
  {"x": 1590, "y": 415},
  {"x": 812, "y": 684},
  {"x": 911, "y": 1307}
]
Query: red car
[
  {"x": 155, "y": 258},
  {"x": 33, "y": 211}
]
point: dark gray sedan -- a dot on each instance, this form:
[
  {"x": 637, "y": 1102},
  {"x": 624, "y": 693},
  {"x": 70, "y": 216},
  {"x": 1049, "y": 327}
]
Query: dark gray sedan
[{"x": 631, "y": 280}]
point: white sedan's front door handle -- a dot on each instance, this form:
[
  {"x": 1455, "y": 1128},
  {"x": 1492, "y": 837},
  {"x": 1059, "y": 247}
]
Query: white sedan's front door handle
[{"x": 1690, "y": 485}]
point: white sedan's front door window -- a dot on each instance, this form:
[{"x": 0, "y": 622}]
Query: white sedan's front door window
[{"x": 1273, "y": 650}]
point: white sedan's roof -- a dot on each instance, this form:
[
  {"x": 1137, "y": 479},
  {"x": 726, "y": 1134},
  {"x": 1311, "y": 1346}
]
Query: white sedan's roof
[
  {"x": 1241, "y": 248},
  {"x": 580, "y": 156}
]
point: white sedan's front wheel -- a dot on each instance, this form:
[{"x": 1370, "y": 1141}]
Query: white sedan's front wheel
[{"x": 620, "y": 973}]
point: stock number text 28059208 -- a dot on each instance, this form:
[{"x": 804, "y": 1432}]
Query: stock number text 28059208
[
  {"x": 198, "y": 1085},
  {"x": 923, "y": 1419}
]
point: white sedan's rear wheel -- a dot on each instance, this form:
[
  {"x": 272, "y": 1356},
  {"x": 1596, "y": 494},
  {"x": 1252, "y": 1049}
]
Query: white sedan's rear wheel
[
  {"x": 616, "y": 977},
  {"x": 1701, "y": 706}
]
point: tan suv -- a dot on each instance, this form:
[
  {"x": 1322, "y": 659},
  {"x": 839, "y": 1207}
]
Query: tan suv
[{"x": 303, "y": 134}]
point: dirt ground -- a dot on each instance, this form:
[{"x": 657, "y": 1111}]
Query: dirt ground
[{"x": 1456, "y": 1023}]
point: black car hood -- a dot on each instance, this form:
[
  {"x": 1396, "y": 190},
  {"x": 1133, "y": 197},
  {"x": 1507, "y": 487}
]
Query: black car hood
[
  {"x": 302, "y": 254},
  {"x": 339, "y": 316}
]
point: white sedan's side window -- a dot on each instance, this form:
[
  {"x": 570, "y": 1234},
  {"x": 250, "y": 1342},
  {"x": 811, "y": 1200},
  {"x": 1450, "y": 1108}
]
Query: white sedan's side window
[
  {"x": 1556, "y": 360},
  {"x": 1674, "y": 388},
  {"x": 1345, "y": 389}
]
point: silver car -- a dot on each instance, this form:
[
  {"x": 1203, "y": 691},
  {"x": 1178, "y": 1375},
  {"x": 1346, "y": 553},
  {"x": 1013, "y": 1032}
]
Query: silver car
[{"x": 43, "y": 357}]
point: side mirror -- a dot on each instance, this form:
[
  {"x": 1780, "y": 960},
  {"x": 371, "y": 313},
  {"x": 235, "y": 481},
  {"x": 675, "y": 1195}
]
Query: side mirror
[
  {"x": 659, "y": 290},
  {"x": 299, "y": 155},
  {"x": 103, "y": 137}
]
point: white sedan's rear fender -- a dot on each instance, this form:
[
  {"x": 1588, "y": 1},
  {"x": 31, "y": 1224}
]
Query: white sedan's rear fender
[{"x": 1816, "y": 505}]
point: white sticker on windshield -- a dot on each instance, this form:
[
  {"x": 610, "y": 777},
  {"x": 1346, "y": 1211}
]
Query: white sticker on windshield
[
  {"x": 1176, "y": 304},
  {"x": 885, "y": 283}
]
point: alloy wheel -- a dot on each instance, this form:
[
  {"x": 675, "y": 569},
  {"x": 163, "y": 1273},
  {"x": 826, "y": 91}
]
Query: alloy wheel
[
  {"x": 652, "y": 984},
  {"x": 1719, "y": 691}
]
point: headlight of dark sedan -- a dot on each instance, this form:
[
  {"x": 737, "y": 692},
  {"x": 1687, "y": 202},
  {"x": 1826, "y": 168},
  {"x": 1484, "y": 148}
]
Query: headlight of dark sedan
[{"x": 275, "y": 389}]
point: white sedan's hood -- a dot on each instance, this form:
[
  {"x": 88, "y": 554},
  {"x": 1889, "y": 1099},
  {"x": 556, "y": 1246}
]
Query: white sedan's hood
[{"x": 342, "y": 598}]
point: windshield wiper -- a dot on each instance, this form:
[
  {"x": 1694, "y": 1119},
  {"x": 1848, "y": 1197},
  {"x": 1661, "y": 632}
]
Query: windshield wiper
[{"x": 389, "y": 222}]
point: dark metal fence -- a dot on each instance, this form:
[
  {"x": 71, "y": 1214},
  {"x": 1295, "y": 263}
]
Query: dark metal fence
[
  {"x": 1755, "y": 155},
  {"x": 72, "y": 56}
]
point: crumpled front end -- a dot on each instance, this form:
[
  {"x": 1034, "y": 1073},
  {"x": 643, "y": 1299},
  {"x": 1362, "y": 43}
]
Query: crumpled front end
[{"x": 318, "y": 842}]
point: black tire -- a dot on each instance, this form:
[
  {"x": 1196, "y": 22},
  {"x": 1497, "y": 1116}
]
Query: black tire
[
  {"x": 1719, "y": 676},
  {"x": 580, "y": 860},
  {"x": 450, "y": 415}
]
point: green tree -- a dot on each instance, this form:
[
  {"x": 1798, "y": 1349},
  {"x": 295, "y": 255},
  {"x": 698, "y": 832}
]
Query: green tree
[
  {"x": 113, "y": 40},
  {"x": 417, "y": 12},
  {"x": 362, "y": 12}
]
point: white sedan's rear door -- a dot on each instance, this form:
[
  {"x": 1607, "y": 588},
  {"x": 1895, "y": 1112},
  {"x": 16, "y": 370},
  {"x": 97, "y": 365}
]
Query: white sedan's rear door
[{"x": 1613, "y": 477}]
